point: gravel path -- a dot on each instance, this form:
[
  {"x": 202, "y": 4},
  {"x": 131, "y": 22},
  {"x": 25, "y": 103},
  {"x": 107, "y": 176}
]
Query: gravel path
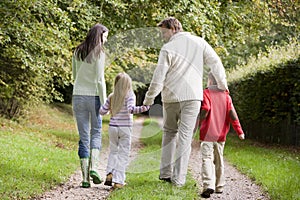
[
  {"x": 71, "y": 190},
  {"x": 238, "y": 186}
]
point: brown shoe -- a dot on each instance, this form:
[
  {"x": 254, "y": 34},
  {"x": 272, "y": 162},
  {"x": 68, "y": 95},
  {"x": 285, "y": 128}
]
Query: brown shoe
[
  {"x": 118, "y": 186},
  {"x": 108, "y": 180}
]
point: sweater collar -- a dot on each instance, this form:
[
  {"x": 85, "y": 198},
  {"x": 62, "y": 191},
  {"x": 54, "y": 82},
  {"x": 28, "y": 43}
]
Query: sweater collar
[
  {"x": 214, "y": 87},
  {"x": 179, "y": 34}
]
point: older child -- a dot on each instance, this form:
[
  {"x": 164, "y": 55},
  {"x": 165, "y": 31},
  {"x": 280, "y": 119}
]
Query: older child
[
  {"x": 121, "y": 104},
  {"x": 217, "y": 112}
]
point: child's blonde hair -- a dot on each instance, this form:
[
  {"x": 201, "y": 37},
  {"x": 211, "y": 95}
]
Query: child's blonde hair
[{"x": 123, "y": 85}]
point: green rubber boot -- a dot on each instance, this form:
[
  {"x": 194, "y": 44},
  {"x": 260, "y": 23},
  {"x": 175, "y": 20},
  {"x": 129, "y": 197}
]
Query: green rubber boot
[
  {"x": 84, "y": 162},
  {"x": 95, "y": 161}
]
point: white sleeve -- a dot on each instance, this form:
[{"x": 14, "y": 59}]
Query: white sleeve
[
  {"x": 212, "y": 60},
  {"x": 158, "y": 78}
]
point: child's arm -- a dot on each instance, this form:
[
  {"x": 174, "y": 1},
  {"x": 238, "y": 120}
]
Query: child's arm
[
  {"x": 132, "y": 108},
  {"x": 104, "y": 109},
  {"x": 203, "y": 114},
  {"x": 234, "y": 120},
  {"x": 138, "y": 109},
  {"x": 205, "y": 105}
]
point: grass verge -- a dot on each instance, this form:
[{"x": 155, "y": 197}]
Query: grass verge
[
  {"x": 142, "y": 174},
  {"x": 275, "y": 168},
  {"x": 37, "y": 152},
  {"x": 41, "y": 151}
]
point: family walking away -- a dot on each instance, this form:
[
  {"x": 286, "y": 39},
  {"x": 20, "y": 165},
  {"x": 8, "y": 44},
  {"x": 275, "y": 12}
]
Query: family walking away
[
  {"x": 89, "y": 92},
  {"x": 216, "y": 114},
  {"x": 121, "y": 105},
  {"x": 178, "y": 76}
]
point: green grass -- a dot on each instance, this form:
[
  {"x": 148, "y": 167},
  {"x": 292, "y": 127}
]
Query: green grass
[
  {"x": 41, "y": 151},
  {"x": 38, "y": 152},
  {"x": 142, "y": 174},
  {"x": 276, "y": 168},
  {"x": 29, "y": 166}
]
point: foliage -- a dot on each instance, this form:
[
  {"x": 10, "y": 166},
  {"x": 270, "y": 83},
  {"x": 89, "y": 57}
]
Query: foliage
[
  {"x": 37, "y": 39},
  {"x": 266, "y": 93},
  {"x": 254, "y": 35},
  {"x": 265, "y": 77},
  {"x": 34, "y": 53}
]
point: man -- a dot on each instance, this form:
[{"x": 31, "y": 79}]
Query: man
[{"x": 178, "y": 76}]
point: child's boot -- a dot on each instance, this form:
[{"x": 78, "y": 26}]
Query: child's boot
[
  {"x": 95, "y": 161},
  {"x": 84, "y": 162}
]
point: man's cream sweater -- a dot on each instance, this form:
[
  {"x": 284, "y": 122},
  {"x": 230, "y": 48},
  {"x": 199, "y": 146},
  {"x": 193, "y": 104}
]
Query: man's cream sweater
[{"x": 179, "y": 72}]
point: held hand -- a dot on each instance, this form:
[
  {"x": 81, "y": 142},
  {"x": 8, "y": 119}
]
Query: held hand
[
  {"x": 148, "y": 102},
  {"x": 147, "y": 107},
  {"x": 242, "y": 137}
]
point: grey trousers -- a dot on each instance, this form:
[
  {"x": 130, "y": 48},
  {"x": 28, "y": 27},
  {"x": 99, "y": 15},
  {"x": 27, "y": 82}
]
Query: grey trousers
[{"x": 179, "y": 122}]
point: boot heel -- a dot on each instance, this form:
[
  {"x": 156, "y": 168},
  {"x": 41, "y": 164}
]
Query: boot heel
[
  {"x": 95, "y": 176},
  {"x": 85, "y": 184}
]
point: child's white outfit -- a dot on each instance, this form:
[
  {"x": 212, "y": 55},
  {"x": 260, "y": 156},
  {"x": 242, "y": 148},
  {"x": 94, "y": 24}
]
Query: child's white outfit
[{"x": 120, "y": 130}]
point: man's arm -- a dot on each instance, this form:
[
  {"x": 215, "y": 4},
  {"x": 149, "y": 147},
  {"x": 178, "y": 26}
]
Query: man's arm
[
  {"x": 158, "y": 78},
  {"x": 212, "y": 60}
]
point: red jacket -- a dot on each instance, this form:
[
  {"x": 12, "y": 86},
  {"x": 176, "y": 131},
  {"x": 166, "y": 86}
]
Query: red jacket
[{"x": 215, "y": 126}]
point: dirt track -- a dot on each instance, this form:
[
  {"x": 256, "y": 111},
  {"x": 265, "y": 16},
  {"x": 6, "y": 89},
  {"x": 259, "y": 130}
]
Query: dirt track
[{"x": 238, "y": 186}]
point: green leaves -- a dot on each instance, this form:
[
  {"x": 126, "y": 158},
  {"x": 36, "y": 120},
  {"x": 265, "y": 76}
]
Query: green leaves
[
  {"x": 34, "y": 52},
  {"x": 37, "y": 38}
]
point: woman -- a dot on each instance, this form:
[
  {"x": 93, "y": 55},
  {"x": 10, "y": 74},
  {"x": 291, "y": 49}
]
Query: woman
[{"x": 89, "y": 92}]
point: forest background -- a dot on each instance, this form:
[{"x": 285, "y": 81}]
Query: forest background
[{"x": 258, "y": 42}]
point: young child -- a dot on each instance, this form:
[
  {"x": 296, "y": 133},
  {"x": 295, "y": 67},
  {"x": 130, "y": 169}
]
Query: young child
[
  {"x": 216, "y": 114},
  {"x": 121, "y": 104}
]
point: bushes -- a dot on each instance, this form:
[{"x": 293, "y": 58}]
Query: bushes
[
  {"x": 268, "y": 102},
  {"x": 34, "y": 53},
  {"x": 271, "y": 95}
]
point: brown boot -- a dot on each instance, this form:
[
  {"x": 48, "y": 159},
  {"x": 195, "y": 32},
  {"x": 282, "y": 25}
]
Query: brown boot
[{"x": 108, "y": 180}]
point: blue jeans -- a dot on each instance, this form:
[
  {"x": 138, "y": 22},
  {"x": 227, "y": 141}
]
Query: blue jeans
[{"x": 89, "y": 123}]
